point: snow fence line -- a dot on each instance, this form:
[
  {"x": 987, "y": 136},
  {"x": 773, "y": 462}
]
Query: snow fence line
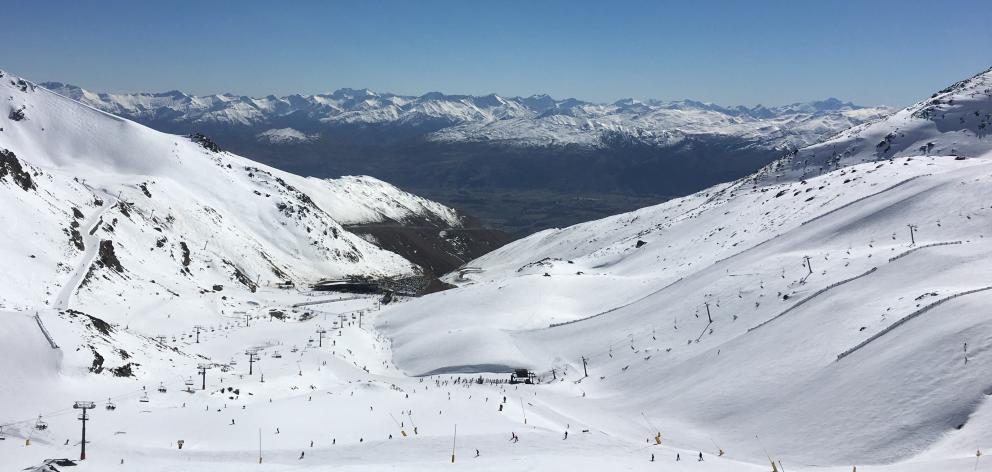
[
  {"x": 611, "y": 310},
  {"x": 48, "y": 336},
  {"x": 922, "y": 247},
  {"x": 814, "y": 295},
  {"x": 864, "y": 198},
  {"x": 907, "y": 318}
]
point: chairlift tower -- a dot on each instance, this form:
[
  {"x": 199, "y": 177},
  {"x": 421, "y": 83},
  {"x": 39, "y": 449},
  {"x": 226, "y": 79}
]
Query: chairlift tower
[
  {"x": 252, "y": 357},
  {"x": 320, "y": 336},
  {"x": 83, "y": 406},
  {"x": 203, "y": 374},
  {"x": 198, "y": 328}
]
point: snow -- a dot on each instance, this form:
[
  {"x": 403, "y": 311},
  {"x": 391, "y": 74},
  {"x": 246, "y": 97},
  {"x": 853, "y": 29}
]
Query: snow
[
  {"x": 861, "y": 359},
  {"x": 788, "y": 316},
  {"x": 515, "y": 121},
  {"x": 283, "y": 136}
]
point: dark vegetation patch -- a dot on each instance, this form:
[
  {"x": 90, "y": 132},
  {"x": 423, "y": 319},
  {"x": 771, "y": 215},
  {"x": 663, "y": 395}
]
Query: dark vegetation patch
[
  {"x": 437, "y": 250},
  {"x": 144, "y": 189}
]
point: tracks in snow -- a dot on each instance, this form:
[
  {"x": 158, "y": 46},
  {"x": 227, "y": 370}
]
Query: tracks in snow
[{"x": 92, "y": 247}]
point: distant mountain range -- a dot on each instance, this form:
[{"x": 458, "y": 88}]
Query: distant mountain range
[
  {"x": 538, "y": 120},
  {"x": 553, "y": 162}
]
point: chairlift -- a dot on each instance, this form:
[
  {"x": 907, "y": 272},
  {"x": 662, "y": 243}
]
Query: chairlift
[
  {"x": 294, "y": 349},
  {"x": 2, "y": 437},
  {"x": 276, "y": 355},
  {"x": 144, "y": 398},
  {"x": 161, "y": 388},
  {"x": 40, "y": 425},
  {"x": 110, "y": 405},
  {"x": 234, "y": 361}
]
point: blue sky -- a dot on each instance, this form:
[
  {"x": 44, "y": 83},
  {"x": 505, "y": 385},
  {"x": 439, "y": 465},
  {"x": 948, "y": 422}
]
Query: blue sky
[{"x": 728, "y": 52}]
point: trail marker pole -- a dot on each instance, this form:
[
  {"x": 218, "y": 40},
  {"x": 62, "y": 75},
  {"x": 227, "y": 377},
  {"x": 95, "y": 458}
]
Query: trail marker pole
[
  {"x": 584, "y": 371},
  {"x": 708, "y": 317},
  {"x": 454, "y": 439},
  {"x": 912, "y": 238},
  {"x": 83, "y": 406},
  {"x": 808, "y": 265}
]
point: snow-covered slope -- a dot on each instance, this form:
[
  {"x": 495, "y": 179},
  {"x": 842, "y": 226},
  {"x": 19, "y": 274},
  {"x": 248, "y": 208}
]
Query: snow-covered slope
[
  {"x": 538, "y": 120},
  {"x": 954, "y": 121},
  {"x": 166, "y": 214},
  {"x": 839, "y": 317}
]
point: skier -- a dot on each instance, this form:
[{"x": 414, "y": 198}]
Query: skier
[
  {"x": 700, "y": 457},
  {"x": 476, "y": 453},
  {"x": 301, "y": 455},
  {"x": 677, "y": 458},
  {"x": 652, "y": 457},
  {"x": 232, "y": 421},
  {"x": 566, "y": 435},
  {"x": 180, "y": 444}
]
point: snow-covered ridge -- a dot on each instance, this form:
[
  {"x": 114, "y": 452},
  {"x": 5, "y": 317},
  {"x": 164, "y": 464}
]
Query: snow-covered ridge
[
  {"x": 537, "y": 120},
  {"x": 284, "y": 136},
  {"x": 141, "y": 211},
  {"x": 954, "y": 121}
]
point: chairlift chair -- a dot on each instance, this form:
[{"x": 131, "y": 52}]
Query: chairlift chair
[
  {"x": 144, "y": 398},
  {"x": 110, "y": 405},
  {"x": 2, "y": 437},
  {"x": 276, "y": 355},
  {"x": 40, "y": 425},
  {"x": 161, "y": 388}
]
